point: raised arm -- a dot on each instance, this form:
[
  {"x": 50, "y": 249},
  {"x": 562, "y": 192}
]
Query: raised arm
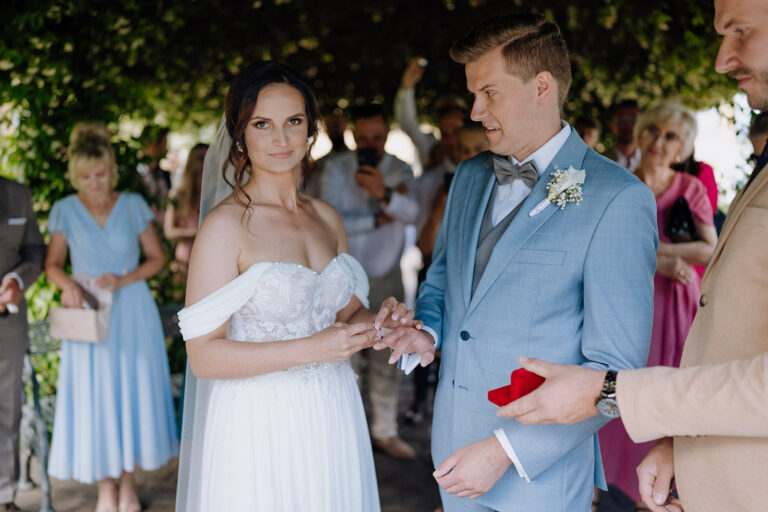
[{"x": 405, "y": 110}]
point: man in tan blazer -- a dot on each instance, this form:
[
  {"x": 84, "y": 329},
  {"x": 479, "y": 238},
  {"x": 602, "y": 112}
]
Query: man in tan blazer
[
  {"x": 22, "y": 252},
  {"x": 716, "y": 404}
]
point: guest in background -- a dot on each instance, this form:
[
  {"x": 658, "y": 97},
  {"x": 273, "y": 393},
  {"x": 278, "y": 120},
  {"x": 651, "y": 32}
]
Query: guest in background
[
  {"x": 335, "y": 124},
  {"x": 22, "y": 252},
  {"x": 183, "y": 212},
  {"x": 450, "y": 115},
  {"x": 625, "y": 152},
  {"x": 470, "y": 141},
  {"x": 374, "y": 192},
  {"x": 114, "y": 409},
  {"x": 665, "y": 136},
  {"x": 156, "y": 181},
  {"x": 588, "y": 129}
]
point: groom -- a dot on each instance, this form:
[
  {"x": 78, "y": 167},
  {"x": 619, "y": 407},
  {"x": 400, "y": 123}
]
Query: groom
[{"x": 573, "y": 285}]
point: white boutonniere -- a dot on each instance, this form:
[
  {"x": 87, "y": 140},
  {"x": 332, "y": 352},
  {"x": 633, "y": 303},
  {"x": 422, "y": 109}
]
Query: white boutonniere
[{"x": 564, "y": 187}]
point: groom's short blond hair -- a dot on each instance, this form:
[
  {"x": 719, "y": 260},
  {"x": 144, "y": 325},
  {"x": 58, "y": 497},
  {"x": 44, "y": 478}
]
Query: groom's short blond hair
[{"x": 530, "y": 43}]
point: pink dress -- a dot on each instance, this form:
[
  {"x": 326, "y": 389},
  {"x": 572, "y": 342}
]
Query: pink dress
[
  {"x": 674, "y": 306},
  {"x": 707, "y": 176}
]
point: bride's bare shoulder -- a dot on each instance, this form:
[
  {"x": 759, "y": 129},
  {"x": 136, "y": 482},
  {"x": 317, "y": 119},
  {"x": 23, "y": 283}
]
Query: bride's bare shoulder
[
  {"x": 226, "y": 216},
  {"x": 331, "y": 219},
  {"x": 215, "y": 253}
]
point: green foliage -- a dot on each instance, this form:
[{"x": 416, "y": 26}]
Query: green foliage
[{"x": 138, "y": 61}]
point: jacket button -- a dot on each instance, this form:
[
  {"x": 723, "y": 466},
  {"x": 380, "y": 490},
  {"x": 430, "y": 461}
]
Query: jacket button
[
  {"x": 464, "y": 335},
  {"x": 703, "y": 301}
]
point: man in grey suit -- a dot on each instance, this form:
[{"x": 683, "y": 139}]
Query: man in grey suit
[{"x": 22, "y": 251}]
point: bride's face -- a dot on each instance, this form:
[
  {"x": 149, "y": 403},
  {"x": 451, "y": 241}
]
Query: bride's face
[{"x": 276, "y": 135}]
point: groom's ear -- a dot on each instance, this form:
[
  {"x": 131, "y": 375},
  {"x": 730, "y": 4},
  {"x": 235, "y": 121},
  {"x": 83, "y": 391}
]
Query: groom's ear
[{"x": 546, "y": 87}]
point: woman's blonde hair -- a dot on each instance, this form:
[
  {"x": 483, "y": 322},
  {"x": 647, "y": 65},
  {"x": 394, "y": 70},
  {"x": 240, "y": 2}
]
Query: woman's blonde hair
[
  {"x": 674, "y": 112},
  {"x": 89, "y": 143}
]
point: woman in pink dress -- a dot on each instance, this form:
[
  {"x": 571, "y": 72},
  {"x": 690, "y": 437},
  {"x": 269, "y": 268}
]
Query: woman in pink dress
[{"x": 665, "y": 135}]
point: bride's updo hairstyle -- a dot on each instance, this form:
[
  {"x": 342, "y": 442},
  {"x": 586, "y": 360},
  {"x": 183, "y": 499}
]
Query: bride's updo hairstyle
[
  {"x": 89, "y": 144},
  {"x": 240, "y": 103}
]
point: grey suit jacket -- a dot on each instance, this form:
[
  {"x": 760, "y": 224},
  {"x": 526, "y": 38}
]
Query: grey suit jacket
[{"x": 22, "y": 249}]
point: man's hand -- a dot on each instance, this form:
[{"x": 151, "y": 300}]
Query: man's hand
[
  {"x": 10, "y": 293},
  {"x": 402, "y": 333},
  {"x": 412, "y": 74},
  {"x": 407, "y": 340},
  {"x": 474, "y": 469},
  {"x": 654, "y": 475},
  {"x": 567, "y": 395},
  {"x": 371, "y": 180}
]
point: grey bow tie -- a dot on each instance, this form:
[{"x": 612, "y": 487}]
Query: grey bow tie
[{"x": 507, "y": 172}]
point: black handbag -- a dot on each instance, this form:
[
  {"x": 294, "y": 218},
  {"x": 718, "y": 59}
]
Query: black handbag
[{"x": 681, "y": 227}]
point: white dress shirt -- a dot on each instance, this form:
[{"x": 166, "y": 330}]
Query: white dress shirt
[
  {"x": 377, "y": 248},
  {"x": 509, "y": 196}
]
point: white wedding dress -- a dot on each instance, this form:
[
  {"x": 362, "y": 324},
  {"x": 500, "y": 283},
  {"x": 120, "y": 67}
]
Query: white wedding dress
[{"x": 290, "y": 440}]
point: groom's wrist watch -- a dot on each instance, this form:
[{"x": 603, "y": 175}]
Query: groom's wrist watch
[{"x": 606, "y": 402}]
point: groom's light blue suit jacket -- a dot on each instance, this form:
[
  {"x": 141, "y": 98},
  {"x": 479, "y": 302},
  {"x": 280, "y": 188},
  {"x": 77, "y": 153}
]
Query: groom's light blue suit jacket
[{"x": 572, "y": 286}]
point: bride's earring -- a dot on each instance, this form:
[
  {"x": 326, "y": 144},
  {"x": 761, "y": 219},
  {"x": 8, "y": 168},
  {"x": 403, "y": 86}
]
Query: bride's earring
[{"x": 239, "y": 147}]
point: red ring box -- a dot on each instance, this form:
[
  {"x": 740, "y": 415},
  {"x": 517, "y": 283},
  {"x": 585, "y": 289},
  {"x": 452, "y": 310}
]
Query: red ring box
[{"x": 521, "y": 383}]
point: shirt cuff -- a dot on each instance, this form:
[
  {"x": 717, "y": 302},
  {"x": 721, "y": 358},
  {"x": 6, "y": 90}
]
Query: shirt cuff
[
  {"x": 18, "y": 279},
  {"x": 408, "y": 362},
  {"x": 502, "y": 437}
]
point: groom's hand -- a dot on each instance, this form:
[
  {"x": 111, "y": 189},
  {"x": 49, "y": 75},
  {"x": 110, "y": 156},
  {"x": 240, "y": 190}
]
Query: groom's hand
[
  {"x": 474, "y": 469},
  {"x": 567, "y": 396},
  {"x": 408, "y": 340}
]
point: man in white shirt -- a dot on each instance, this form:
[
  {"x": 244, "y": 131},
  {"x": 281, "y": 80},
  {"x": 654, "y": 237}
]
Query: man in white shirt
[
  {"x": 625, "y": 152},
  {"x": 373, "y": 192}
]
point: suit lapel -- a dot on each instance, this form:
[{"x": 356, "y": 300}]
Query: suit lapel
[
  {"x": 480, "y": 193},
  {"x": 742, "y": 200},
  {"x": 523, "y": 226}
]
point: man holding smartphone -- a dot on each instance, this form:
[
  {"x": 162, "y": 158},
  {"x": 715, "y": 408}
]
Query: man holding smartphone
[{"x": 374, "y": 194}]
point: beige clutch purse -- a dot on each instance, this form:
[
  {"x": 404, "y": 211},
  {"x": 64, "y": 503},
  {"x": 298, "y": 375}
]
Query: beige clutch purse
[{"x": 89, "y": 324}]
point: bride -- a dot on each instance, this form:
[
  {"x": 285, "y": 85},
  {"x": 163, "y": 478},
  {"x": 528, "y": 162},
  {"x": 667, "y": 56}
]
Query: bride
[{"x": 275, "y": 308}]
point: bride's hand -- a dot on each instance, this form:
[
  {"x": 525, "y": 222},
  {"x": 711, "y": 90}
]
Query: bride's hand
[
  {"x": 340, "y": 341},
  {"x": 393, "y": 314}
]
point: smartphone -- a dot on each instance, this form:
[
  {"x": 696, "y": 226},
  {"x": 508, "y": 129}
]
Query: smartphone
[{"x": 367, "y": 156}]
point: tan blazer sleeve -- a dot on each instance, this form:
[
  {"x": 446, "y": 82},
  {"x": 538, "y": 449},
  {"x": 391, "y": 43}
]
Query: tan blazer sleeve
[{"x": 725, "y": 399}]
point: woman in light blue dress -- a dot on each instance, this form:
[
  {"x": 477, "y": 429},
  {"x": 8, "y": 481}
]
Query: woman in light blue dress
[{"x": 114, "y": 409}]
